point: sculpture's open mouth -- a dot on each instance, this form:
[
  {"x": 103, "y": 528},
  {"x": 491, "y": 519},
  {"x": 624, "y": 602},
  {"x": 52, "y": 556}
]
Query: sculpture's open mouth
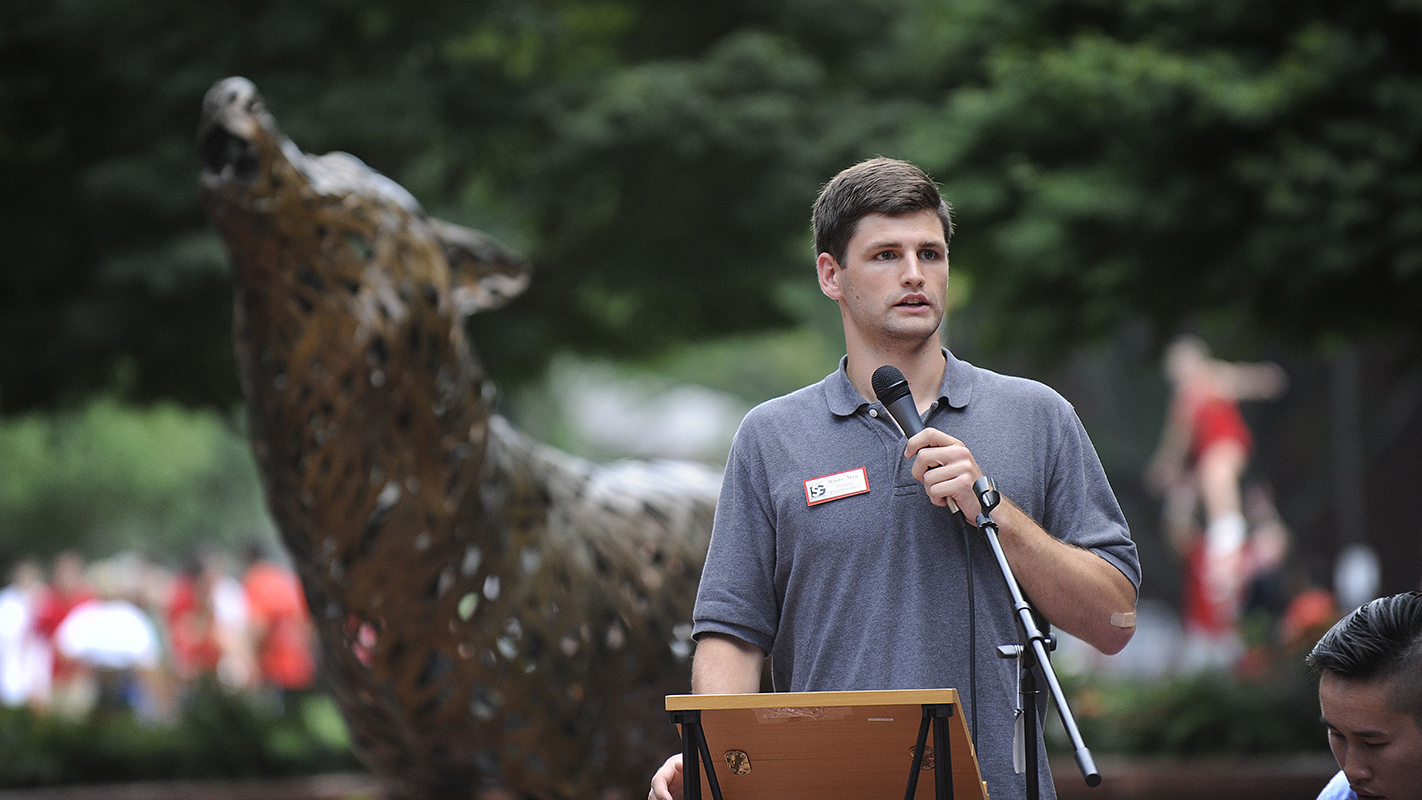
[{"x": 226, "y": 157}]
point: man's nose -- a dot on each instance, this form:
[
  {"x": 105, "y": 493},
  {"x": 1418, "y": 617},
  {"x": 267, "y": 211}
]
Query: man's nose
[
  {"x": 913, "y": 271},
  {"x": 1356, "y": 766}
]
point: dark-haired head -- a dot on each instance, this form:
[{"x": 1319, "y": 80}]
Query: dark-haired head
[
  {"x": 1381, "y": 641},
  {"x": 877, "y": 186}
]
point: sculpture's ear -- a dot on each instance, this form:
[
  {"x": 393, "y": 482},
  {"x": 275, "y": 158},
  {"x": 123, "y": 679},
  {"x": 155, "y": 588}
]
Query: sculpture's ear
[{"x": 485, "y": 273}]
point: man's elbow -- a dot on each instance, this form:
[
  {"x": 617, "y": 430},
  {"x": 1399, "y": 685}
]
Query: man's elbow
[
  {"x": 1117, "y": 634},
  {"x": 1114, "y": 640}
]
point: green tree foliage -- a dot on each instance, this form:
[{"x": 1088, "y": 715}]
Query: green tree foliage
[
  {"x": 1174, "y": 160},
  {"x": 110, "y": 477},
  {"x": 655, "y": 160},
  {"x": 110, "y": 268},
  {"x": 1110, "y": 160}
]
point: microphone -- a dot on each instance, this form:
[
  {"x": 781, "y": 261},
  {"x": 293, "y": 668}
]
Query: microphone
[{"x": 892, "y": 389}]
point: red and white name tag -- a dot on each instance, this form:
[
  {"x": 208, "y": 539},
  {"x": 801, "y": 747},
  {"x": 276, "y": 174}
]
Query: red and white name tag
[{"x": 833, "y": 487}]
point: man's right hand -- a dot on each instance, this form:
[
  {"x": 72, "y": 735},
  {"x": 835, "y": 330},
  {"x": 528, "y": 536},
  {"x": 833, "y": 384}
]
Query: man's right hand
[{"x": 666, "y": 784}]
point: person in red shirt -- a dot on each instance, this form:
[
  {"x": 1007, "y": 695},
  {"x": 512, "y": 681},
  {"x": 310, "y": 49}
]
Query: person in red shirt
[
  {"x": 192, "y": 628},
  {"x": 1203, "y": 452},
  {"x": 208, "y": 624},
  {"x": 73, "y": 685},
  {"x": 280, "y": 624}
]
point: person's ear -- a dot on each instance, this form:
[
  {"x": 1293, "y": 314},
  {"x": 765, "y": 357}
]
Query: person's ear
[{"x": 828, "y": 270}]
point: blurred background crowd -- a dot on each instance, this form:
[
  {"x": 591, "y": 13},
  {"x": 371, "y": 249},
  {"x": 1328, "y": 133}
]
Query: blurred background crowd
[{"x": 129, "y": 634}]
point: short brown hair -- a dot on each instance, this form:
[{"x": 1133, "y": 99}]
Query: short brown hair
[{"x": 877, "y": 186}]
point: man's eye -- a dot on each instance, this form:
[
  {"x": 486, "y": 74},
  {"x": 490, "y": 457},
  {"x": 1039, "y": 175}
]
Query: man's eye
[
  {"x": 928, "y": 255},
  {"x": 884, "y": 255}
]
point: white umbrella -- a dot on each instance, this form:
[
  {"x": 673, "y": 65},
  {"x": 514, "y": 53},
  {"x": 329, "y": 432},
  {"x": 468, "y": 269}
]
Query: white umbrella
[{"x": 108, "y": 633}]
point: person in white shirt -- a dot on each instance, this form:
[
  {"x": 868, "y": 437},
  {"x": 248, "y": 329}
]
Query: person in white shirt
[{"x": 26, "y": 659}]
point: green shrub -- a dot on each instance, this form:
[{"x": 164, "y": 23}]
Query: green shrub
[
  {"x": 1205, "y": 714},
  {"x": 219, "y": 735}
]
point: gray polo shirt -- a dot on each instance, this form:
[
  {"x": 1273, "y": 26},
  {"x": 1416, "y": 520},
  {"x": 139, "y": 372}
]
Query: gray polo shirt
[{"x": 869, "y": 590}]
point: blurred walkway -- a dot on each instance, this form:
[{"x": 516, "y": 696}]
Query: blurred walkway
[
  {"x": 345, "y": 786},
  {"x": 1257, "y": 778}
]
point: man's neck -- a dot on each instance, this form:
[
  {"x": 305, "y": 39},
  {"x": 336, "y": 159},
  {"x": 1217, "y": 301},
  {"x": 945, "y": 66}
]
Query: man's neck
[{"x": 923, "y": 368}]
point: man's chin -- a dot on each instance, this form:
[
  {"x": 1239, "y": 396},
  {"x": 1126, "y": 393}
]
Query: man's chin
[{"x": 916, "y": 330}]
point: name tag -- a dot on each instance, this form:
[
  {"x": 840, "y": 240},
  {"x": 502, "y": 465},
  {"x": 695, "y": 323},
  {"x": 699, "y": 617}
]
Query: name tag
[{"x": 833, "y": 487}]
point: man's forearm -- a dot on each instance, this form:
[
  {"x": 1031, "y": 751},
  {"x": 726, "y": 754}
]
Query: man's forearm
[{"x": 1075, "y": 589}]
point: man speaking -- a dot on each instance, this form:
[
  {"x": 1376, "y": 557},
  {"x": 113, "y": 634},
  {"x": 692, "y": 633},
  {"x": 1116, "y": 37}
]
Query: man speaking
[{"x": 850, "y": 556}]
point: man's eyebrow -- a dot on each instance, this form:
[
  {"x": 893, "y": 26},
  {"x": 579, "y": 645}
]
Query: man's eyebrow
[
  {"x": 1360, "y": 734},
  {"x": 884, "y": 243},
  {"x": 936, "y": 244}
]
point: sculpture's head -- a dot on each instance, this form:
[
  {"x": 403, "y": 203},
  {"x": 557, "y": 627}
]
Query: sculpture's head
[
  {"x": 245, "y": 157},
  {"x": 265, "y": 195}
]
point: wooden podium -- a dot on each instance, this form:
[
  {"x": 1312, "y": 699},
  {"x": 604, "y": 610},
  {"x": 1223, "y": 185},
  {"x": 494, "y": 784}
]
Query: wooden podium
[{"x": 817, "y": 745}]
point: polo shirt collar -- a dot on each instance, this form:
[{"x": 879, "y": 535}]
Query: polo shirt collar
[{"x": 955, "y": 390}]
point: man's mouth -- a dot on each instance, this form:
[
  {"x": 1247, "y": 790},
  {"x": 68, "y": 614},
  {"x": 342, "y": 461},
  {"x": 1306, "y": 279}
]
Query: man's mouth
[{"x": 915, "y": 301}]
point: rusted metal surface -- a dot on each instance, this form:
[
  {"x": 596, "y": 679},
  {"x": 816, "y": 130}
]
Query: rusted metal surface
[{"x": 496, "y": 617}]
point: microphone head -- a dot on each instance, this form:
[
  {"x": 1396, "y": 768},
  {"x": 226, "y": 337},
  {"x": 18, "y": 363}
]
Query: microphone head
[{"x": 889, "y": 384}]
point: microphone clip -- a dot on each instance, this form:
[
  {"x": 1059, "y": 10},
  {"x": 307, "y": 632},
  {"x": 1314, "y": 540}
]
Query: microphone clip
[{"x": 986, "y": 490}]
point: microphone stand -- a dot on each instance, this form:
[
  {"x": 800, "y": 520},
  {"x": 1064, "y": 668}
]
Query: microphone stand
[{"x": 1032, "y": 650}]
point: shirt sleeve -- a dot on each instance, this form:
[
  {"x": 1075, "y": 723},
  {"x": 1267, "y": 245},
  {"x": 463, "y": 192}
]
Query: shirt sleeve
[
  {"x": 737, "y": 593},
  {"x": 1081, "y": 509}
]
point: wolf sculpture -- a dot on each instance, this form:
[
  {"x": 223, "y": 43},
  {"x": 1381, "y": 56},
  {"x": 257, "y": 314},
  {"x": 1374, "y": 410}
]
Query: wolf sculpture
[{"x": 496, "y": 618}]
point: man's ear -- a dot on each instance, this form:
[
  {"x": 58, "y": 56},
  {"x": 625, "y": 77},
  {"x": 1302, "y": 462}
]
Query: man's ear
[{"x": 828, "y": 270}]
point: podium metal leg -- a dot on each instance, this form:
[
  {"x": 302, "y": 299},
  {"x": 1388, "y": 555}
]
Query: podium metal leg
[
  {"x": 694, "y": 753},
  {"x": 942, "y": 754},
  {"x": 690, "y": 724},
  {"x": 918, "y": 756},
  {"x": 933, "y": 716}
]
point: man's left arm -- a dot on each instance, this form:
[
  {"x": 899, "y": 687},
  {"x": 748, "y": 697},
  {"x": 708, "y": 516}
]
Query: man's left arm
[{"x": 1074, "y": 588}]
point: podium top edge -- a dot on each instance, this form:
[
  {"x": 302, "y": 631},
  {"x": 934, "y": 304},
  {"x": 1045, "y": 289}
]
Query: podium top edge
[{"x": 883, "y": 697}]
